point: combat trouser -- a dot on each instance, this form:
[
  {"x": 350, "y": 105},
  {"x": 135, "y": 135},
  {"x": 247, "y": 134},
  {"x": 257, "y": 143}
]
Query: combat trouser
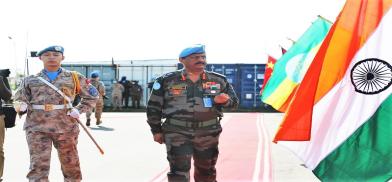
[
  {"x": 135, "y": 102},
  {"x": 40, "y": 147},
  {"x": 183, "y": 143},
  {"x": 97, "y": 110},
  {"x": 116, "y": 101}
]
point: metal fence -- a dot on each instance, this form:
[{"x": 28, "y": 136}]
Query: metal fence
[{"x": 132, "y": 70}]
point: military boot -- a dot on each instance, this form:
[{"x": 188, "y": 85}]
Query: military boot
[
  {"x": 88, "y": 122},
  {"x": 99, "y": 121}
]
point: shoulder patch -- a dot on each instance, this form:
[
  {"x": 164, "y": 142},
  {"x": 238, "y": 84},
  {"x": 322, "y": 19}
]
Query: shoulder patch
[
  {"x": 156, "y": 86},
  {"x": 92, "y": 91}
]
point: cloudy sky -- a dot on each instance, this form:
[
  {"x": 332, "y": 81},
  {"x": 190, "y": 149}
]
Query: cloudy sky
[{"x": 234, "y": 31}]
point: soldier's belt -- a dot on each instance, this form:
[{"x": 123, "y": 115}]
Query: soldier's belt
[
  {"x": 189, "y": 124},
  {"x": 49, "y": 107}
]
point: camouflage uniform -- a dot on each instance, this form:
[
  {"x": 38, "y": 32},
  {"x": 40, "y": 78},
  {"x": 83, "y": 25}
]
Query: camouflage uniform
[
  {"x": 117, "y": 91},
  {"x": 136, "y": 92},
  {"x": 125, "y": 96},
  {"x": 50, "y": 125},
  {"x": 191, "y": 128},
  {"x": 99, "y": 105}
]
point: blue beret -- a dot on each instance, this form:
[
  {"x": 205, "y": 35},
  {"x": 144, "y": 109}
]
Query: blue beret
[
  {"x": 197, "y": 48},
  {"x": 52, "y": 48},
  {"x": 94, "y": 74}
]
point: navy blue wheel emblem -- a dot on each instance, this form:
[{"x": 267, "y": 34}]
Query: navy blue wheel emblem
[{"x": 371, "y": 76}]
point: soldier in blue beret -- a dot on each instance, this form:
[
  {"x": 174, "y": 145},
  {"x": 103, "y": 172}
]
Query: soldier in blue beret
[
  {"x": 47, "y": 99},
  {"x": 100, "y": 86},
  {"x": 194, "y": 49},
  {"x": 55, "y": 48},
  {"x": 190, "y": 102}
]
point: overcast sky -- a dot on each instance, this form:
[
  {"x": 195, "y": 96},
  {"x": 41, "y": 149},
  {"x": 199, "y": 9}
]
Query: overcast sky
[{"x": 234, "y": 31}]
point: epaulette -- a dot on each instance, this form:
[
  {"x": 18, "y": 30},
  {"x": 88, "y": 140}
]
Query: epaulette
[
  {"x": 170, "y": 74},
  {"x": 216, "y": 74}
]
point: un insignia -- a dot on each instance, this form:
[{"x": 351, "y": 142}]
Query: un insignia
[
  {"x": 371, "y": 76},
  {"x": 156, "y": 86},
  {"x": 93, "y": 91}
]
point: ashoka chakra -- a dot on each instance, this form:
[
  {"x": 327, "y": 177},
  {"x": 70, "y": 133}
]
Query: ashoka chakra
[{"x": 371, "y": 76}]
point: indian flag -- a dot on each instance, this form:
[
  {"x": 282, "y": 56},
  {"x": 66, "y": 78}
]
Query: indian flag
[
  {"x": 340, "y": 121},
  {"x": 290, "y": 69}
]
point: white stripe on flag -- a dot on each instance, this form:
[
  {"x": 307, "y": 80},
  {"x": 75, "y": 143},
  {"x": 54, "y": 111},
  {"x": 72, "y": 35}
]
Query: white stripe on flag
[{"x": 343, "y": 110}]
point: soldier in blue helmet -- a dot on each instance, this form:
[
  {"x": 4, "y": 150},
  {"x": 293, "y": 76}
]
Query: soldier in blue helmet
[{"x": 190, "y": 101}]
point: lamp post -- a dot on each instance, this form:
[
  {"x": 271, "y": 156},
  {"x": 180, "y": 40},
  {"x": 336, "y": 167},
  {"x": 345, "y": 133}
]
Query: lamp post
[
  {"x": 14, "y": 55},
  {"x": 16, "y": 78}
]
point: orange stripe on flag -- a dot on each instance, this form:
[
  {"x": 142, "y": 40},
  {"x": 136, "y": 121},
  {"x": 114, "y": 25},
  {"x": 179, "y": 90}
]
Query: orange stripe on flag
[{"x": 353, "y": 27}]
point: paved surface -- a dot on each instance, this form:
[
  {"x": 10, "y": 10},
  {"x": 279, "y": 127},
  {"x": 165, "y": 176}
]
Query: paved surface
[{"x": 131, "y": 155}]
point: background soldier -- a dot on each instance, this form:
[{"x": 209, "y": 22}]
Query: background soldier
[
  {"x": 99, "y": 105},
  {"x": 127, "y": 86},
  {"x": 50, "y": 119},
  {"x": 117, "y": 92},
  {"x": 5, "y": 95},
  {"x": 191, "y": 101},
  {"x": 136, "y": 93}
]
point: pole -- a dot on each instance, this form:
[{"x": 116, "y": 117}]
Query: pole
[{"x": 89, "y": 134}]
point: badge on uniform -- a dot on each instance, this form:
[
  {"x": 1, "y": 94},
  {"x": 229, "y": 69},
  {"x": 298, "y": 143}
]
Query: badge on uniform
[
  {"x": 207, "y": 102},
  {"x": 156, "y": 86},
  {"x": 211, "y": 86},
  {"x": 93, "y": 91}
]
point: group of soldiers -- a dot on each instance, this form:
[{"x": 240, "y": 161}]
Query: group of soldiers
[
  {"x": 124, "y": 89},
  {"x": 183, "y": 111},
  {"x": 121, "y": 91}
]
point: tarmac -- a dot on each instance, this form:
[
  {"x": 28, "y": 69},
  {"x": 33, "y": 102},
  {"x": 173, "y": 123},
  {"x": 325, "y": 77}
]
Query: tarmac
[{"x": 131, "y": 155}]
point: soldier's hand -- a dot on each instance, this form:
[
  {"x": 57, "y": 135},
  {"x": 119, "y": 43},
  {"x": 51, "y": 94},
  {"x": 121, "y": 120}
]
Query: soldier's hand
[
  {"x": 74, "y": 113},
  {"x": 221, "y": 98},
  {"x": 20, "y": 107},
  {"x": 158, "y": 137}
]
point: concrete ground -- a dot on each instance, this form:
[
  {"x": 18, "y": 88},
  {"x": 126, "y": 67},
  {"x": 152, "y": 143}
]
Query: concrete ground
[{"x": 131, "y": 155}]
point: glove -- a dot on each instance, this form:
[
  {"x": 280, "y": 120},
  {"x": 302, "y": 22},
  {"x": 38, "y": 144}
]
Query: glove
[
  {"x": 20, "y": 107},
  {"x": 74, "y": 113}
]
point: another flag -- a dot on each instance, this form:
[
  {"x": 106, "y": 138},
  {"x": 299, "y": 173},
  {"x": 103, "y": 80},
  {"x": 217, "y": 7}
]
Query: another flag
[
  {"x": 269, "y": 67},
  {"x": 342, "y": 109},
  {"x": 292, "y": 66},
  {"x": 283, "y": 50}
]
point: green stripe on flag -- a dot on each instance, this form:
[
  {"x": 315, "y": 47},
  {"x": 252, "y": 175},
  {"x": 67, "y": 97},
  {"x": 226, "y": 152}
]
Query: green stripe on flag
[
  {"x": 295, "y": 62},
  {"x": 279, "y": 98},
  {"x": 366, "y": 155}
]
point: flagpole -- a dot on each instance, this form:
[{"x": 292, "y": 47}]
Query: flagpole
[{"x": 329, "y": 21}]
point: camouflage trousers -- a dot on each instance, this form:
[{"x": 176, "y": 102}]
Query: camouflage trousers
[
  {"x": 40, "y": 147},
  {"x": 98, "y": 111},
  {"x": 116, "y": 101},
  {"x": 199, "y": 144}
]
